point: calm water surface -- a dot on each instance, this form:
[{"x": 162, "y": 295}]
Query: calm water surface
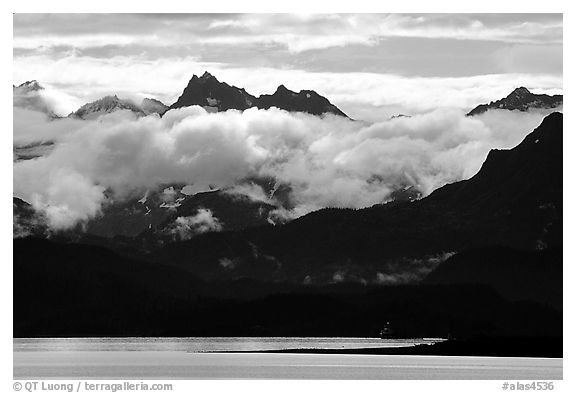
[{"x": 197, "y": 358}]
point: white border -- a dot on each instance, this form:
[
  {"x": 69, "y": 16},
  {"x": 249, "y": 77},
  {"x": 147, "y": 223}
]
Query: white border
[{"x": 307, "y": 6}]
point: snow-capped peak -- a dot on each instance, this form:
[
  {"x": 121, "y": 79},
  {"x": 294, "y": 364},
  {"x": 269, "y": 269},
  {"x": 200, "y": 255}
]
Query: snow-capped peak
[{"x": 107, "y": 104}]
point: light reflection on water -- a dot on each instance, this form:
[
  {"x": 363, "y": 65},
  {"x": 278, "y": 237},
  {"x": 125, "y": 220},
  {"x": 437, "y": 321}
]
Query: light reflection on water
[
  {"x": 192, "y": 358},
  {"x": 207, "y": 344}
]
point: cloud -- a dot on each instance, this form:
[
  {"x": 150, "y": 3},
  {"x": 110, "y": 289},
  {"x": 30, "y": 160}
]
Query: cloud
[
  {"x": 32, "y": 126},
  {"x": 338, "y": 277},
  {"x": 253, "y": 191},
  {"x": 295, "y": 32},
  {"x": 227, "y": 263},
  {"x": 300, "y": 33},
  {"x": 45, "y": 99},
  {"x": 398, "y": 274},
  {"x": 59, "y": 101},
  {"x": 529, "y": 58},
  {"x": 184, "y": 228},
  {"x": 64, "y": 195},
  {"x": 325, "y": 162}
]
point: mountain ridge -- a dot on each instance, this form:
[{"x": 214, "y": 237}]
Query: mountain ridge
[
  {"x": 207, "y": 91},
  {"x": 520, "y": 99},
  {"x": 105, "y": 105},
  {"x": 518, "y": 204},
  {"x": 27, "y": 95}
]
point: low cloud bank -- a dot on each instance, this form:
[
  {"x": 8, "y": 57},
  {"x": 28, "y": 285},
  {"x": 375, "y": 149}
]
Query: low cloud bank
[
  {"x": 326, "y": 162},
  {"x": 31, "y": 126}
]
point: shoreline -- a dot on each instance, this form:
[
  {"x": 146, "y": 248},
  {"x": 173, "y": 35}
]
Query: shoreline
[{"x": 501, "y": 347}]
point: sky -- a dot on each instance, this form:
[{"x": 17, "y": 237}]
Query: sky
[{"x": 372, "y": 66}]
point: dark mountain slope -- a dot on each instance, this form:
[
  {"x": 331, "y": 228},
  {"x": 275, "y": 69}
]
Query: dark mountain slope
[
  {"x": 514, "y": 274},
  {"x": 84, "y": 290},
  {"x": 515, "y": 200},
  {"x": 305, "y": 101},
  {"x": 213, "y": 95},
  {"x": 208, "y": 91},
  {"x": 152, "y": 219},
  {"x": 78, "y": 290},
  {"x": 26, "y": 220}
]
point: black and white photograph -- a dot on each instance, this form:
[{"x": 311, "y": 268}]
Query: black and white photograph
[{"x": 287, "y": 196}]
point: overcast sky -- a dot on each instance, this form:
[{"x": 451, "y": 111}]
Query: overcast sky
[{"x": 369, "y": 65}]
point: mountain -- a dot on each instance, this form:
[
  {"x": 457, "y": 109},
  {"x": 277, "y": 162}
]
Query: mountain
[
  {"x": 520, "y": 99},
  {"x": 151, "y": 105},
  {"x": 79, "y": 290},
  {"x": 517, "y": 275},
  {"x": 106, "y": 293},
  {"x": 213, "y": 95},
  {"x": 305, "y": 101},
  {"x": 515, "y": 200},
  {"x": 28, "y": 86},
  {"x": 170, "y": 214},
  {"x": 205, "y": 91},
  {"x": 104, "y": 106},
  {"x": 208, "y": 92},
  {"x": 28, "y": 95},
  {"x": 26, "y": 220},
  {"x": 477, "y": 258}
]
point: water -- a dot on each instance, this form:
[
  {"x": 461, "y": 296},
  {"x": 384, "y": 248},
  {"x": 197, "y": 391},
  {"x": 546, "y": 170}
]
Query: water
[
  {"x": 207, "y": 344},
  {"x": 198, "y": 358}
]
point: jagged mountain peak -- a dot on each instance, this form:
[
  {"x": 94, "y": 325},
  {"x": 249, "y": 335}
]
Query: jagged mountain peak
[
  {"x": 152, "y": 105},
  {"x": 283, "y": 89},
  {"x": 31, "y": 85},
  {"x": 106, "y": 100},
  {"x": 520, "y": 91},
  {"x": 207, "y": 75},
  {"x": 307, "y": 101},
  {"x": 520, "y": 99},
  {"x": 104, "y": 105},
  {"x": 208, "y": 92},
  {"x": 213, "y": 95},
  {"x": 28, "y": 95}
]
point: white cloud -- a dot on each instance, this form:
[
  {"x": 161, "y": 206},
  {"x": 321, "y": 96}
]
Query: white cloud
[
  {"x": 66, "y": 196},
  {"x": 253, "y": 191},
  {"x": 32, "y": 126},
  {"x": 184, "y": 228},
  {"x": 89, "y": 40},
  {"x": 299, "y": 33},
  {"x": 296, "y": 32},
  {"x": 327, "y": 161},
  {"x": 59, "y": 101}
]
